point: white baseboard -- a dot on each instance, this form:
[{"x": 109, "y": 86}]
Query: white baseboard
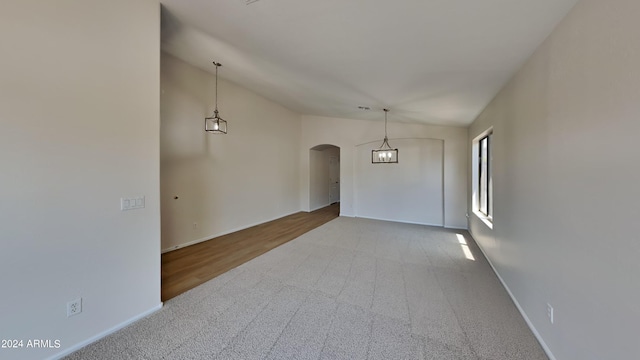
[
  {"x": 319, "y": 207},
  {"x": 456, "y": 227},
  {"x": 515, "y": 301},
  {"x": 398, "y": 221},
  {"x": 193, "y": 242},
  {"x": 110, "y": 331},
  {"x": 209, "y": 237}
]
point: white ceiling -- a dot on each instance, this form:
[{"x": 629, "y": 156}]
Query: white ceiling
[{"x": 429, "y": 61}]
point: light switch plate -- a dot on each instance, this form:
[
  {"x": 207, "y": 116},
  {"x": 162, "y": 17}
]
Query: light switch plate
[{"x": 132, "y": 203}]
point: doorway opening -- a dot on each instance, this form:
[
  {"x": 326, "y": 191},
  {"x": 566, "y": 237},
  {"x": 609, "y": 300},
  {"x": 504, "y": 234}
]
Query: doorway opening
[{"x": 324, "y": 176}]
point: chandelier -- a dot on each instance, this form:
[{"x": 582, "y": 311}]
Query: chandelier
[
  {"x": 385, "y": 154},
  {"x": 215, "y": 124}
]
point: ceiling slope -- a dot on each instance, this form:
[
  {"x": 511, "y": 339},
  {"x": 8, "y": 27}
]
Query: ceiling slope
[{"x": 429, "y": 61}]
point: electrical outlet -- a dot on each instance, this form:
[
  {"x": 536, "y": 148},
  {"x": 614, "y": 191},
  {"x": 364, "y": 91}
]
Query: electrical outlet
[
  {"x": 74, "y": 307},
  {"x": 550, "y": 312}
]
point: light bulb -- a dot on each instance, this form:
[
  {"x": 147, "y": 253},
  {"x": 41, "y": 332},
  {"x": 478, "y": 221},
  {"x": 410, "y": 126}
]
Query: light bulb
[{"x": 215, "y": 125}]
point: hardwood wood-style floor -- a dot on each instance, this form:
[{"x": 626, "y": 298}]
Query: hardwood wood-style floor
[{"x": 186, "y": 268}]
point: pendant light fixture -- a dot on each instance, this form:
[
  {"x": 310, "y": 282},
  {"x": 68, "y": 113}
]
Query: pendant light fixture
[
  {"x": 215, "y": 124},
  {"x": 385, "y": 154}
]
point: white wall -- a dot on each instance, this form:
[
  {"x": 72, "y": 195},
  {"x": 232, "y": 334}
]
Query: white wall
[
  {"x": 227, "y": 182},
  {"x": 79, "y": 113},
  {"x": 408, "y": 191},
  {"x": 566, "y": 181},
  {"x": 346, "y": 134}
]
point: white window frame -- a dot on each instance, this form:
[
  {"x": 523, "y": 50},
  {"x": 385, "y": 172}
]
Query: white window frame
[{"x": 482, "y": 176}]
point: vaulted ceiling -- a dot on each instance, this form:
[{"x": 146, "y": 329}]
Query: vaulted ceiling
[{"x": 429, "y": 61}]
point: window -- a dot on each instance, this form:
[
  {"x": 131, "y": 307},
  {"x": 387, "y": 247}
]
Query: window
[
  {"x": 485, "y": 204},
  {"x": 482, "y": 177}
]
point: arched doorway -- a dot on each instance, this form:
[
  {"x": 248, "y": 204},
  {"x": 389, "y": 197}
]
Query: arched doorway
[{"x": 324, "y": 176}]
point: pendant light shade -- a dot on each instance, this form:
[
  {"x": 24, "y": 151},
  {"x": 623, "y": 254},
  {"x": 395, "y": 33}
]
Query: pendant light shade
[
  {"x": 385, "y": 154},
  {"x": 215, "y": 124}
]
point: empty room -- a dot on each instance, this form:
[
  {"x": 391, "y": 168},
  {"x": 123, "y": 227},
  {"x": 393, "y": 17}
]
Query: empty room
[{"x": 295, "y": 179}]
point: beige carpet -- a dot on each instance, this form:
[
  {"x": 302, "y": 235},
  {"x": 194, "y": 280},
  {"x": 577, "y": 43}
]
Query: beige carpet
[{"x": 350, "y": 289}]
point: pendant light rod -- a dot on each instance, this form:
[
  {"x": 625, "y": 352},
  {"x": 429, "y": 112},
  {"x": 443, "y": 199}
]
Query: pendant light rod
[
  {"x": 217, "y": 64},
  {"x": 385, "y": 122}
]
